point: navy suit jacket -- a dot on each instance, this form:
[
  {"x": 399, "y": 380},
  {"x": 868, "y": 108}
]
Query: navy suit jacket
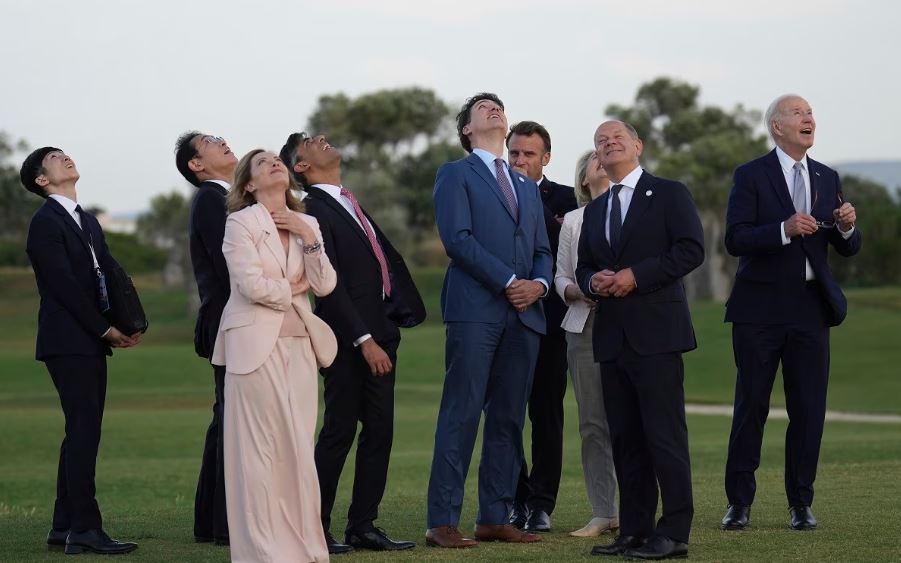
[
  {"x": 661, "y": 240},
  {"x": 486, "y": 245},
  {"x": 69, "y": 319},
  {"x": 770, "y": 276}
]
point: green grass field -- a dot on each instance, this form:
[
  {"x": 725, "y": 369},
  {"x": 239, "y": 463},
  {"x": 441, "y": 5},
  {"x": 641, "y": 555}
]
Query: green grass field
[{"x": 158, "y": 406}]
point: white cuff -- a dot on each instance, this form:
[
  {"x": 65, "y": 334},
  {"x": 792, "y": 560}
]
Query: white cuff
[{"x": 362, "y": 339}]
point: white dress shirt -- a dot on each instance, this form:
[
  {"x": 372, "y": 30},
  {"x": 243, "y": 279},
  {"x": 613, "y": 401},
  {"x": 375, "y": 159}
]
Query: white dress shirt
[{"x": 222, "y": 183}]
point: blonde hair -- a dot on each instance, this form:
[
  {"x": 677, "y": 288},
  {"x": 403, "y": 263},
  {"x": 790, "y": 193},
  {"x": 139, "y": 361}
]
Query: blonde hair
[
  {"x": 238, "y": 197},
  {"x": 583, "y": 193}
]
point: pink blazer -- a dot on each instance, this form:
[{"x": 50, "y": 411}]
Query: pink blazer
[{"x": 261, "y": 291}]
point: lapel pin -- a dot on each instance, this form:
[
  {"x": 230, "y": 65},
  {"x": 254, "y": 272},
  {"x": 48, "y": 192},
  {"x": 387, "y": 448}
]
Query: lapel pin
[
  {"x": 648, "y": 193},
  {"x": 521, "y": 180},
  {"x": 817, "y": 173}
]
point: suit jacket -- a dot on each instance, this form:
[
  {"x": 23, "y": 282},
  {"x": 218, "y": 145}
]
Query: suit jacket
[
  {"x": 357, "y": 307},
  {"x": 486, "y": 246},
  {"x": 558, "y": 200},
  {"x": 771, "y": 276},
  {"x": 206, "y": 228},
  {"x": 70, "y": 322},
  {"x": 661, "y": 240},
  {"x": 261, "y": 292}
]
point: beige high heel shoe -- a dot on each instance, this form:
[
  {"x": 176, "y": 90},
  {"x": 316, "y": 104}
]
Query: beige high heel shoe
[{"x": 595, "y": 527}]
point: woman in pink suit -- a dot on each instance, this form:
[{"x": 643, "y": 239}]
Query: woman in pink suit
[{"x": 271, "y": 343}]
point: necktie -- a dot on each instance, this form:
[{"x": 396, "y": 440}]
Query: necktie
[
  {"x": 616, "y": 217},
  {"x": 506, "y": 188},
  {"x": 80, "y": 221},
  {"x": 373, "y": 242},
  {"x": 799, "y": 189}
]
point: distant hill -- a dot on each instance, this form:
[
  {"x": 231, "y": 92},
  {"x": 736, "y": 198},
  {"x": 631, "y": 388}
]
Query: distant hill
[{"x": 886, "y": 172}]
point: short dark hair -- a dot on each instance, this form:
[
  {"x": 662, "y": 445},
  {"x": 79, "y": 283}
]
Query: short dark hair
[
  {"x": 529, "y": 128},
  {"x": 184, "y": 152},
  {"x": 465, "y": 115},
  {"x": 288, "y": 154},
  {"x": 32, "y": 167}
]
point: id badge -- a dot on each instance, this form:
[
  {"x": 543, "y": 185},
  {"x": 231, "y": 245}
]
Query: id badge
[{"x": 101, "y": 291}]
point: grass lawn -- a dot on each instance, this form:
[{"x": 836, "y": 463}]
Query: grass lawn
[{"x": 158, "y": 407}]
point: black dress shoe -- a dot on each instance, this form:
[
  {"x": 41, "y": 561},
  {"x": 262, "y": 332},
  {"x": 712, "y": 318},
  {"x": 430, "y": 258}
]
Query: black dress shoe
[
  {"x": 56, "y": 539},
  {"x": 619, "y": 545},
  {"x": 519, "y": 516},
  {"x": 737, "y": 518},
  {"x": 335, "y": 548},
  {"x": 375, "y": 539},
  {"x": 203, "y": 539},
  {"x": 539, "y": 521},
  {"x": 658, "y": 547},
  {"x": 96, "y": 541},
  {"x": 802, "y": 518}
]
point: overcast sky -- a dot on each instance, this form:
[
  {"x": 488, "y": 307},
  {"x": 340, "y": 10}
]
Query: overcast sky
[{"x": 113, "y": 83}]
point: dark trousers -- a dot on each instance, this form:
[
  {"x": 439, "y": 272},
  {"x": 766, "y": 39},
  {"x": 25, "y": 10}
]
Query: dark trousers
[
  {"x": 488, "y": 368},
  {"x": 538, "y": 490},
  {"x": 81, "y": 384},
  {"x": 353, "y": 395},
  {"x": 803, "y": 350},
  {"x": 645, "y": 404},
  {"x": 210, "y": 520}
]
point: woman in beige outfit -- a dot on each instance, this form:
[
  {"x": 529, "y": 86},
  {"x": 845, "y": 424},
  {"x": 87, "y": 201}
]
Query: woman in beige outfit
[{"x": 271, "y": 342}]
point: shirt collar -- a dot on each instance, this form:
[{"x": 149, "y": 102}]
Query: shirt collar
[
  {"x": 487, "y": 157},
  {"x": 631, "y": 179},
  {"x": 787, "y": 162},
  {"x": 330, "y": 189},
  {"x": 67, "y": 203},
  {"x": 222, "y": 183}
]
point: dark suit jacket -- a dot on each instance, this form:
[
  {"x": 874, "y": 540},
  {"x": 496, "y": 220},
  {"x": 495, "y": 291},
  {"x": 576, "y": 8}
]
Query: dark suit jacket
[
  {"x": 69, "y": 319},
  {"x": 770, "y": 275},
  {"x": 356, "y": 307},
  {"x": 558, "y": 200},
  {"x": 206, "y": 228},
  {"x": 661, "y": 240},
  {"x": 486, "y": 246}
]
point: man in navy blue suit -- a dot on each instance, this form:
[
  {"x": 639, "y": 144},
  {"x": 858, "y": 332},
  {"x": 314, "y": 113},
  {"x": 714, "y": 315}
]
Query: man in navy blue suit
[
  {"x": 68, "y": 253},
  {"x": 491, "y": 221},
  {"x": 784, "y": 211},
  {"x": 638, "y": 240}
]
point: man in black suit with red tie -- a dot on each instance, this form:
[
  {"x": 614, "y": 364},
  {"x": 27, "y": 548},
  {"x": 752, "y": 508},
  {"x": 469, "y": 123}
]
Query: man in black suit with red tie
[
  {"x": 375, "y": 295},
  {"x": 529, "y": 151},
  {"x": 784, "y": 211},
  {"x": 207, "y": 162},
  {"x": 68, "y": 253},
  {"x": 638, "y": 241}
]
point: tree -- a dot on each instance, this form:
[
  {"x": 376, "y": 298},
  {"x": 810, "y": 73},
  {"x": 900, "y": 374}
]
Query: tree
[
  {"x": 17, "y": 207},
  {"x": 165, "y": 226}
]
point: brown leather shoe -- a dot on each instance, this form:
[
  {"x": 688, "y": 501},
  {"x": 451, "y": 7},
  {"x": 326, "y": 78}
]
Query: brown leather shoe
[
  {"x": 449, "y": 537},
  {"x": 505, "y": 533}
]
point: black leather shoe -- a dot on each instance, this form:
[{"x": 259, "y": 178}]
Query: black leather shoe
[
  {"x": 539, "y": 521},
  {"x": 375, "y": 539},
  {"x": 619, "y": 545},
  {"x": 802, "y": 518},
  {"x": 519, "y": 516},
  {"x": 737, "y": 518},
  {"x": 96, "y": 541},
  {"x": 56, "y": 539},
  {"x": 658, "y": 547},
  {"x": 335, "y": 548}
]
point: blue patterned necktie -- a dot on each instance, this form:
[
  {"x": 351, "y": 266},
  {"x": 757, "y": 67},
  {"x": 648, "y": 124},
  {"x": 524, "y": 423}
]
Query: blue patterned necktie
[{"x": 799, "y": 189}]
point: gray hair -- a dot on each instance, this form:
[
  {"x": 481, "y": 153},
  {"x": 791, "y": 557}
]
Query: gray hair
[
  {"x": 773, "y": 111},
  {"x": 583, "y": 194}
]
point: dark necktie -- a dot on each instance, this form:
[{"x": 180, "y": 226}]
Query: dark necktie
[
  {"x": 373, "y": 242},
  {"x": 506, "y": 188},
  {"x": 80, "y": 212},
  {"x": 616, "y": 217}
]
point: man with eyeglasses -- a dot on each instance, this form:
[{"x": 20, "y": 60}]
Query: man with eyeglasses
[
  {"x": 784, "y": 211},
  {"x": 208, "y": 163},
  {"x": 374, "y": 296}
]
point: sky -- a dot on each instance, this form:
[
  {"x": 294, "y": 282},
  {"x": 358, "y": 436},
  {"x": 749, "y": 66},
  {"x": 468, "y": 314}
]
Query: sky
[{"x": 113, "y": 83}]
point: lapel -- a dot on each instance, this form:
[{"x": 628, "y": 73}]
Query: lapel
[
  {"x": 270, "y": 236},
  {"x": 777, "y": 181},
  {"x": 639, "y": 204},
  {"x": 816, "y": 182},
  {"x": 339, "y": 209},
  {"x": 295, "y": 254},
  {"x": 521, "y": 185},
  {"x": 70, "y": 222},
  {"x": 482, "y": 171},
  {"x": 602, "y": 203}
]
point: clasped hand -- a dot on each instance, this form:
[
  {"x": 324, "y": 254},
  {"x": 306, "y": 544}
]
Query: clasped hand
[
  {"x": 291, "y": 222},
  {"x": 522, "y": 293},
  {"x": 117, "y": 339},
  {"x": 608, "y": 283}
]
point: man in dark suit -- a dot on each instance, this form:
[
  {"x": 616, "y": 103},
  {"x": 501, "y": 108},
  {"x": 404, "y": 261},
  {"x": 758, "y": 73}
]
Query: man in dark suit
[
  {"x": 68, "y": 253},
  {"x": 638, "y": 240},
  {"x": 529, "y": 150},
  {"x": 784, "y": 211},
  {"x": 490, "y": 221},
  {"x": 374, "y": 296},
  {"x": 208, "y": 163}
]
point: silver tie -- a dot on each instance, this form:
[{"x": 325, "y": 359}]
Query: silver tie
[{"x": 799, "y": 190}]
